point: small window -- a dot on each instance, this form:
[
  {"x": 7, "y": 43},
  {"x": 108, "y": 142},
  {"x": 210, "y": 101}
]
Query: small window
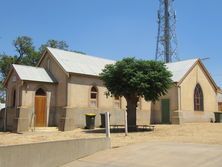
[
  {"x": 198, "y": 98},
  {"x": 14, "y": 79},
  {"x": 117, "y": 102},
  {"x": 14, "y": 98},
  {"x": 48, "y": 64},
  {"x": 94, "y": 97}
]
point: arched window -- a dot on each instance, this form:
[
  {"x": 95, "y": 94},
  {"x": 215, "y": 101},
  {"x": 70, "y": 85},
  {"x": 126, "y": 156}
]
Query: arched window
[
  {"x": 117, "y": 102},
  {"x": 94, "y": 97},
  {"x": 198, "y": 98},
  {"x": 40, "y": 92}
]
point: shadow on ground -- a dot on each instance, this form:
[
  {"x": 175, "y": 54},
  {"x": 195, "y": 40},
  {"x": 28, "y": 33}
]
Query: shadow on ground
[{"x": 116, "y": 130}]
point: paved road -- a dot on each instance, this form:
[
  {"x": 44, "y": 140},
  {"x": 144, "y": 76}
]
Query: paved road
[{"x": 155, "y": 154}]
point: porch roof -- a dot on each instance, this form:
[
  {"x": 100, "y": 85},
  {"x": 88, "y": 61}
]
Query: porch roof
[{"x": 30, "y": 73}]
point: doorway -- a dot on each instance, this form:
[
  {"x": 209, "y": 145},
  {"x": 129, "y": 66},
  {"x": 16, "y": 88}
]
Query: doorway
[
  {"x": 40, "y": 108},
  {"x": 165, "y": 110}
]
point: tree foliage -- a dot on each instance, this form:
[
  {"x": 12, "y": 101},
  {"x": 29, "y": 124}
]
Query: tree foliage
[
  {"x": 2, "y": 94},
  {"x": 132, "y": 78},
  {"x": 24, "y": 46},
  {"x": 54, "y": 44},
  {"x": 26, "y": 53},
  {"x": 31, "y": 59},
  {"x": 5, "y": 64}
]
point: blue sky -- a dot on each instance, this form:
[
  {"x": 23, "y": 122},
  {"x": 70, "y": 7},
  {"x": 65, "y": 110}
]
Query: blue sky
[{"x": 115, "y": 28}]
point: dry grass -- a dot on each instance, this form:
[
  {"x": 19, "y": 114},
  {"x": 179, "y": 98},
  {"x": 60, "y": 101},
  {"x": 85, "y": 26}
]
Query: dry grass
[
  {"x": 7, "y": 138},
  {"x": 205, "y": 133}
]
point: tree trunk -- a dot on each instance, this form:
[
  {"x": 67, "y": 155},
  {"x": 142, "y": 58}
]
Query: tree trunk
[{"x": 131, "y": 112}]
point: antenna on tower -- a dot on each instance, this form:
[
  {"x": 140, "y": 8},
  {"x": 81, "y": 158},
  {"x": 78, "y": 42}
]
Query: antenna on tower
[{"x": 166, "y": 46}]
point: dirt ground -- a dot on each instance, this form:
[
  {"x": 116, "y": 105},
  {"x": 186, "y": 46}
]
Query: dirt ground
[{"x": 205, "y": 133}]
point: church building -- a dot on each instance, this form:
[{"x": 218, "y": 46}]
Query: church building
[{"x": 64, "y": 86}]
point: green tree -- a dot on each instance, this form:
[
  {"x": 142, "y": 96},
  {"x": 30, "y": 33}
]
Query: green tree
[
  {"x": 54, "y": 44},
  {"x": 2, "y": 93},
  {"x": 26, "y": 53},
  {"x": 5, "y": 64},
  {"x": 31, "y": 59},
  {"x": 132, "y": 78},
  {"x": 24, "y": 46}
]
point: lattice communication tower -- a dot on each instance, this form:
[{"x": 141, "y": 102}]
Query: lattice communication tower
[{"x": 166, "y": 46}]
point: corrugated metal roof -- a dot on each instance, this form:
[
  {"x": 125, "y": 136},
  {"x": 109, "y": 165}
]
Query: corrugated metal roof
[
  {"x": 85, "y": 64},
  {"x": 79, "y": 63},
  {"x": 30, "y": 73},
  {"x": 180, "y": 68}
]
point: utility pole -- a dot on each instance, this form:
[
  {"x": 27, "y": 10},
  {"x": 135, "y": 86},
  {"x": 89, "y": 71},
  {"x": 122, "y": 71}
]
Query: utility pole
[{"x": 166, "y": 46}]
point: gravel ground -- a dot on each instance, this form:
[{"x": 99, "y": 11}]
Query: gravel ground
[{"x": 205, "y": 133}]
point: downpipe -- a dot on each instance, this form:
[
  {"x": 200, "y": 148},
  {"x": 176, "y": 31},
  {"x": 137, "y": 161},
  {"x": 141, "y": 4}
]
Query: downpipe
[{"x": 5, "y": 112}]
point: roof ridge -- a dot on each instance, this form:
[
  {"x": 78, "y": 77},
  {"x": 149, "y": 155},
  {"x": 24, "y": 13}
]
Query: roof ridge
[
  {"x": 91, "y": 56},
  {"x": 27, "y": 66},
  {"x": 182, "y": 61}
]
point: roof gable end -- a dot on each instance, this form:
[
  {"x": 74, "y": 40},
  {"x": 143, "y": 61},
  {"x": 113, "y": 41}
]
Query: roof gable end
[
  {"x": 180, "y": 69},
  {"x": 202, "y": 66}
]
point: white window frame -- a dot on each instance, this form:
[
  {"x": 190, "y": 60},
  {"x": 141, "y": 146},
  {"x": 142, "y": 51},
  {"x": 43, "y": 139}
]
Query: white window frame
[{"x": 93, "y": 100}]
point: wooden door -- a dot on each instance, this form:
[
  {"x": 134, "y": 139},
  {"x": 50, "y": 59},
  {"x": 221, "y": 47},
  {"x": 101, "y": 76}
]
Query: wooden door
[
  {"x": 165, "y": 107},
  {"x": 40, "y": 111}
]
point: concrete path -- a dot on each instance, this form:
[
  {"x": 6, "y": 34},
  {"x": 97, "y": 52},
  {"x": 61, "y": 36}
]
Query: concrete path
[{"x": 155, "y": 154}]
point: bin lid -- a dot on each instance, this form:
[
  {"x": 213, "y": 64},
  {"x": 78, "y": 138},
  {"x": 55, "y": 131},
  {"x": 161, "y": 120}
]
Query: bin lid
[
  {"x": 90, "y": 114},
  {"x": 218, "y": 112},
  {"x": 104, "y": 114}
]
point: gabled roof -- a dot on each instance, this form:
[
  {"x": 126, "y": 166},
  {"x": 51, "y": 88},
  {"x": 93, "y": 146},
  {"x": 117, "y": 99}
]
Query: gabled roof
[
  {"x": 180, "y": 68},
  {"x": 73, "y": 62},
  {"x": 29, "y": 73},
  {"x": 79, "y": 63}
]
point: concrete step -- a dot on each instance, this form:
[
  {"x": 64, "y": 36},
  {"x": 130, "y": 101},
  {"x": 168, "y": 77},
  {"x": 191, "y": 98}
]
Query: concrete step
[
  {"x": 176, "y": 120},
  {"x": 44, "y": 129},
  {"x": 177, "y": 113}
]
